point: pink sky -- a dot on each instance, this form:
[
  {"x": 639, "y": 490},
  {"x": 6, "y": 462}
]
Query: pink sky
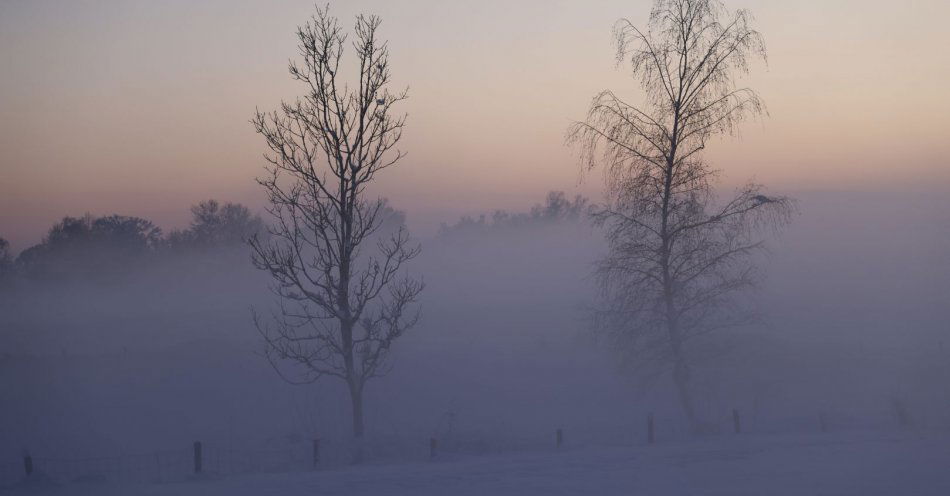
[{"x": 142, "y": 108}]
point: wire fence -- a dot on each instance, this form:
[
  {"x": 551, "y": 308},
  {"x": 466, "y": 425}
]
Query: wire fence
[
  {"x": 157, "y": 467},
  {"x": 211, "y": 460}
]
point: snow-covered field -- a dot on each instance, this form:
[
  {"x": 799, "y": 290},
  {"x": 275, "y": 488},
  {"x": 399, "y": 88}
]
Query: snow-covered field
[{"x": 855, "y": 463}]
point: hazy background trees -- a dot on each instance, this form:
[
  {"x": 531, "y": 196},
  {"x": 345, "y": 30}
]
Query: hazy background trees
[
  {"x": 91, "y": 247},
  {"x": 113, "y": 247},
  {"x": 342, "y": 294},
  {"x": 679, "y": 254},
  {"x": 217, "y": 225},
  {"x": 556, "y": 208}
]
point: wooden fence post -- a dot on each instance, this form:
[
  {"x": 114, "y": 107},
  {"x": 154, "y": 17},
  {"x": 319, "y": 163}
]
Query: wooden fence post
[
  {"x": 28, "y": 464},
  {"x": 735, "y": 421},
  {"x": 433, "y": 445},
  {"x": 560, "y": 437},
  {"x": 197, "y": 457},
  {"x": 651, "y": 433},
  {"x": 316, "y": 452}
]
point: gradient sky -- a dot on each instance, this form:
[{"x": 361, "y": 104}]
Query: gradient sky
[{"x": 142, "y": 108}]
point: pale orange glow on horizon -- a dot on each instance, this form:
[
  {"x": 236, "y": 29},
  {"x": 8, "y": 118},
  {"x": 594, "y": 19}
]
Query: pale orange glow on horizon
[{"x": 142, "y": 108}]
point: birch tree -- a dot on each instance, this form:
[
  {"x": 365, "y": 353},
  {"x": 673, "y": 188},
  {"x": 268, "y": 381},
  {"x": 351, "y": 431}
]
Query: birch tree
[{"x": 679, "y": 254}]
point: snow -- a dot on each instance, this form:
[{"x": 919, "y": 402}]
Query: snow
[{"x": 844, "y": 463}]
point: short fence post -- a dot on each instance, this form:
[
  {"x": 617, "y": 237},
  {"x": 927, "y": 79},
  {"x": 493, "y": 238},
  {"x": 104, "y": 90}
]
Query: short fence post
[
  {"x": 28, "y": 464},
  {"x": 560, "y": 437},
  {"x": 433, "y": 445},
  {"x": 316, "y": 452},
  {"x": 197, "y": 457},
  {"x": 735, "y": 421},
  {"x": 822, "y": 422},
  {"x": 651, "y": 433}
]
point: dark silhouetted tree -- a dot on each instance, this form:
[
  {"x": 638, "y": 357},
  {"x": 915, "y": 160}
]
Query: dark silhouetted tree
[
  {"x": 91, "y": 246},
  {"x": 678, "y": 254},
  {"x": 342, "y": 295}
]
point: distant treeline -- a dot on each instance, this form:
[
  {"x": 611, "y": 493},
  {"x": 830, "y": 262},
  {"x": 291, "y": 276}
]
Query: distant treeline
[
  {"x": 557, "y": 208},
  {"x": 94, "y": 247},
  {"x": 90, "y": 246}
]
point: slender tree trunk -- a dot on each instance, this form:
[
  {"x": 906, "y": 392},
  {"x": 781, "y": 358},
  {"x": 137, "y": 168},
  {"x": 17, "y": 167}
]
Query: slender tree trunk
[
  {"x": 681, "y": 380},
  {"x": 680, "y": 367},
  {"x": 346, "y": 331},
  {"x": 356, "y": 400},
  {"x": 356, "y": 403}
]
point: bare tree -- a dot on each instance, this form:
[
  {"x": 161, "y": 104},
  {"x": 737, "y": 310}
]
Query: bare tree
[
  {"x": 678, "y": 254},
  {"x": 340, "y": 303}
]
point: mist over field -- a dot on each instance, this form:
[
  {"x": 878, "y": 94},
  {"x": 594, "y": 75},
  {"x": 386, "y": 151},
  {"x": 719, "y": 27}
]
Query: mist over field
[{"x": 853, "y": 316}]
